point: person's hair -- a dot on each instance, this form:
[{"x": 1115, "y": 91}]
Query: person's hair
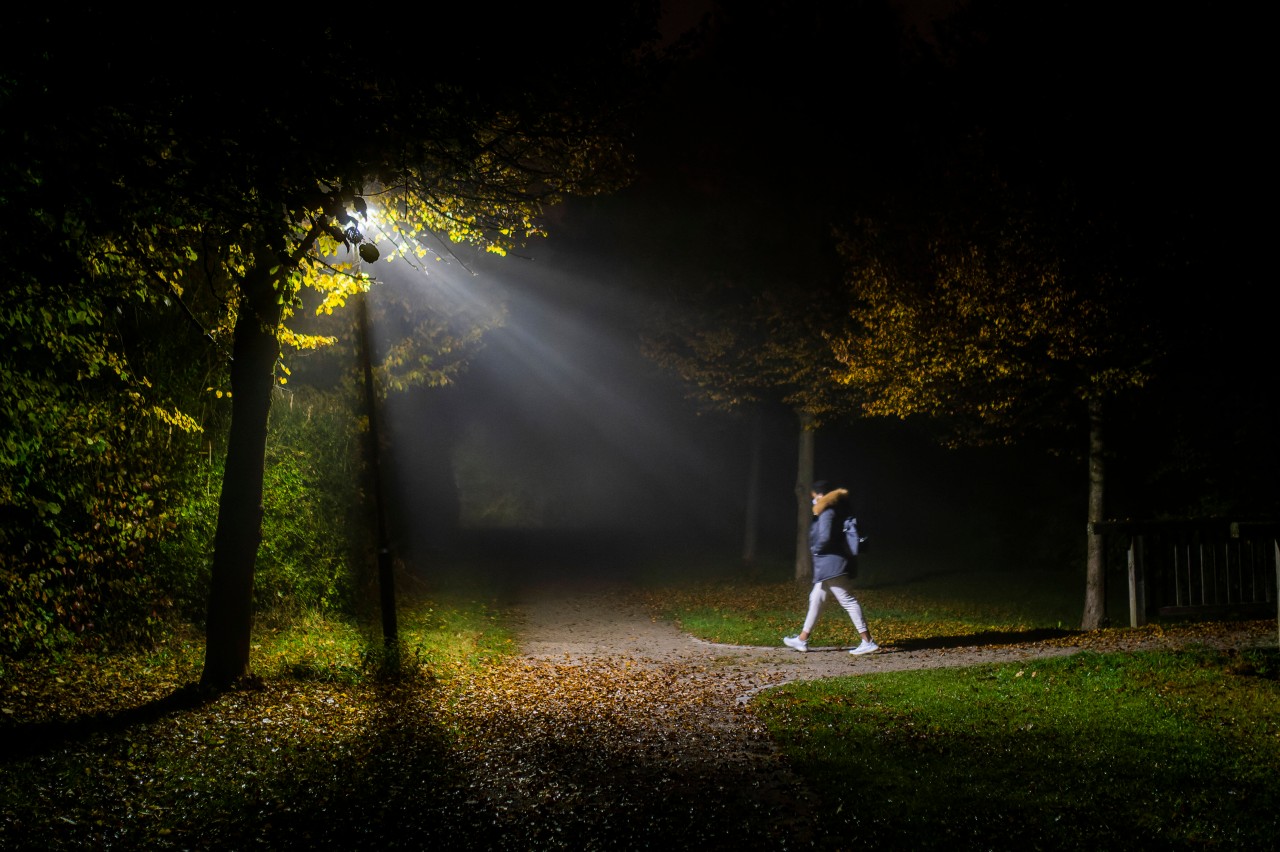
[{"x": 821, "y": 486}]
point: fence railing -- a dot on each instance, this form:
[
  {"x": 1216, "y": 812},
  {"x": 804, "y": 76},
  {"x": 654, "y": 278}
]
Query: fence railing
[{"x": 1198, "y": 567}]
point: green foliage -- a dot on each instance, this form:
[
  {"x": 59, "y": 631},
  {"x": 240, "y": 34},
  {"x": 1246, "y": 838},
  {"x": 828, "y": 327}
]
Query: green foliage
[
  {"x": 313, "y": 525},
  {"x": 313, "y": 510},
  {"x": 88, "y": 470},
  {"x": 116, "y": 540},
  {"x": 180, "y": 561},
  {"x": 97, "y": 416},
  {"x": 1161, "y": 749}
]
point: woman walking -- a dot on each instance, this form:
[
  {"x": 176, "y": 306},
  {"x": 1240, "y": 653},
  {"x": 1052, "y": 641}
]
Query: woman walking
[{"x": 833, "y": 567}]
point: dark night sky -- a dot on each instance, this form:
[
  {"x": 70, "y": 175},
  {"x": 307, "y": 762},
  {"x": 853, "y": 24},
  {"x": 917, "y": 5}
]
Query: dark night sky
[{"x": 561, "y": 423}]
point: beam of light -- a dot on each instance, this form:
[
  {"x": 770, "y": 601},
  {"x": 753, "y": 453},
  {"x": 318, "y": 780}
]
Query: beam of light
[
  {"x": 600, "y": 436},
  {"x": 570, "y": 422}
]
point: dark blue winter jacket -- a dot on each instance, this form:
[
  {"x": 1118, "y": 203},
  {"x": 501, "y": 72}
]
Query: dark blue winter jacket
[{"x": 826, "y": 536}]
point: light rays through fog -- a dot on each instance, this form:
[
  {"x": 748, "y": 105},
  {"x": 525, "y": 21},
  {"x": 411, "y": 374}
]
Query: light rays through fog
[
  {"x": 599, "y": 437},
  {"x": 558, "y": 421}
]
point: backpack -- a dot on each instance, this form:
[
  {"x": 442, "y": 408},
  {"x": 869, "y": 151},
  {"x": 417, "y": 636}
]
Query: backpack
[{"x": 852, "y": 540}]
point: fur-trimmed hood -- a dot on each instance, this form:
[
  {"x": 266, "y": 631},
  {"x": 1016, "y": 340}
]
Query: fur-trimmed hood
[{"x": 826, "y": 501}]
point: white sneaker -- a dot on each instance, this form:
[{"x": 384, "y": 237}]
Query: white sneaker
[
  {"x": 866, "y": 647},
  {"x": 795, "y": 642}
]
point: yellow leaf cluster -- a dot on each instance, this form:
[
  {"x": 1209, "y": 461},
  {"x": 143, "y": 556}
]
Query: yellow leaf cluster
[
  {"x": 973, "y": 330},
  {"x": 288, "y": 337},
  {"x": 177, "y": 419}
]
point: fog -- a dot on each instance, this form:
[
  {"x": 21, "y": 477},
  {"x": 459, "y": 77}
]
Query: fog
[
  {"x": 559, "y": 423},
  {"x": 561, "y": 435}
]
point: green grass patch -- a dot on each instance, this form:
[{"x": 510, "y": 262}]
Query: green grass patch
[
  {"x": 440, "y": 638},
  {"x": 760, "y": 612},
  {"x": 1146, "y": 750}
]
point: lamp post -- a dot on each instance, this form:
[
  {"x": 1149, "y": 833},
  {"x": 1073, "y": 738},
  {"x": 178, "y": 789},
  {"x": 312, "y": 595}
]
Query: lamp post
[{"x": 386, "y": 578}]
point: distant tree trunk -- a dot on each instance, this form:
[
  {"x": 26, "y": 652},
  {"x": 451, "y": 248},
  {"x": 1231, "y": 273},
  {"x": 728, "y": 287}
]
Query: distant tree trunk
[
  {"x": 804, "y": 504},
  {"x": 1095, "y": 596},
  {"x": 235, "y": 549},
  {"x": 751, "y": 527}
]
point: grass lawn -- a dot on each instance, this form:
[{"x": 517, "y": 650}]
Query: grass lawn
[
  {"x": 1093, "y": 751},
  {"x": 761, "y": 612},
  {"x": 1168, "y": 750}
]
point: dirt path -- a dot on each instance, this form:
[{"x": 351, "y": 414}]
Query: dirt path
[
  {"x": 578, "y": 627},
  {"x": 605, "y": 625}
]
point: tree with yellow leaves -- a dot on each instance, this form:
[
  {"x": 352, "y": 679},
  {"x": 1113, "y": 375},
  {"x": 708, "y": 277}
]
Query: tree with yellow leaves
[
  {"x": 998, "y": 335},
  {"x": 268, "y": 146}
]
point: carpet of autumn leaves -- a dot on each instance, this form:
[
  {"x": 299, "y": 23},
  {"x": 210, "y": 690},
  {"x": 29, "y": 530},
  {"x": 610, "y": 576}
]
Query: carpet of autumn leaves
[{"x": 514, "y": 755}]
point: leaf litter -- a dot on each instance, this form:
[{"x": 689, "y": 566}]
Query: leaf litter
[{"x": 609, "y": 732}]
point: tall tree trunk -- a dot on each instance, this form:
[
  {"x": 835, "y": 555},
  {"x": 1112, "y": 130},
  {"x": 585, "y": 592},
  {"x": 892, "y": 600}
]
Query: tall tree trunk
[
  {"x": 1095, "y": 596},
  {"x": 751, "y": 526},
  {"x": 804, "y": 503},
  {"x": 235, "y": 549}
]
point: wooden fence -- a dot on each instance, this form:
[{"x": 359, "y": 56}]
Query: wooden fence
[{"x": 1205, "y": 567}]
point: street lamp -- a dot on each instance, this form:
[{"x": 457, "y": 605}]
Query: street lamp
[{"x": 386, "y": 577}]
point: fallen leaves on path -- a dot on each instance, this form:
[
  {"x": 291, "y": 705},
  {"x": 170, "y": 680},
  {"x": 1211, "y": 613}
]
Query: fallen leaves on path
[
  {"x": 614, "y": 750},
  {"x": 614, "y": 753}
]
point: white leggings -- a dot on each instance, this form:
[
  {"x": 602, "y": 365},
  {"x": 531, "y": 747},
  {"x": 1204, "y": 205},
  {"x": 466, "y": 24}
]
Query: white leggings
[{"x": 838, "y": 586}]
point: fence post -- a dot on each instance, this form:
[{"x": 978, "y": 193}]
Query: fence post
[{"x": 1137, "y": 584}]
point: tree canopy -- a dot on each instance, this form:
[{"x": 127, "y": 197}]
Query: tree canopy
[
  {"x": 228, "y": 165},
  {"x": 998, "y": 335}
]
